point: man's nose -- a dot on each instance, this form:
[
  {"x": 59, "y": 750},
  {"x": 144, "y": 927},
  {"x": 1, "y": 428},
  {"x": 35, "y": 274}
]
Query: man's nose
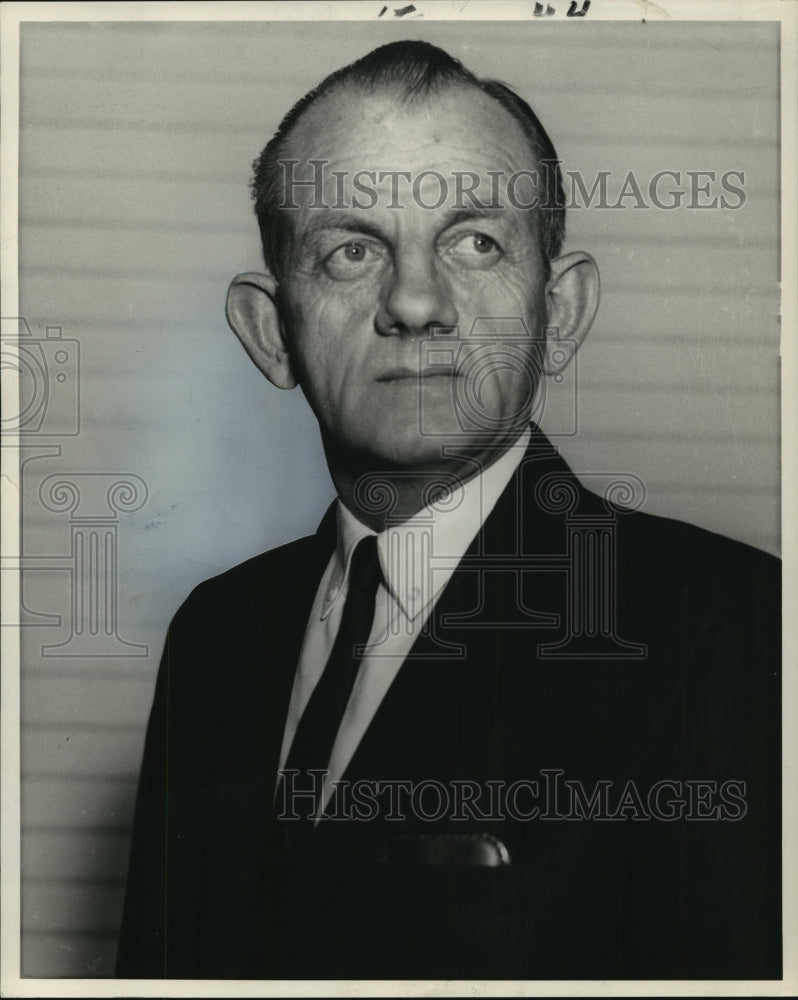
[{"x": 416, "y": 298}]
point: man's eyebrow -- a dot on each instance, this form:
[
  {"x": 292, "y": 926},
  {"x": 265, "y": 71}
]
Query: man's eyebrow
[
  {"x": 347, "y": 222},
  {"x": 509, "y": 221},
  {"x": 457, "y": 215}
]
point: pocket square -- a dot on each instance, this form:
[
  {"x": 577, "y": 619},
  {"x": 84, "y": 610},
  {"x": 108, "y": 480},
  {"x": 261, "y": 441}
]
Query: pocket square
[{"x": 477, "y": 849}]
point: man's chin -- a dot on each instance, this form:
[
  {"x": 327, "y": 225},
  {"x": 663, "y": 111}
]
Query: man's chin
[{"x": 445, "y": 450}]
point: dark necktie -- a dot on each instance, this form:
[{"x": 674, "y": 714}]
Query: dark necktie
[{"x": 318, "y": 726}]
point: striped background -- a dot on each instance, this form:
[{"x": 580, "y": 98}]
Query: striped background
[{"x": 136, "y": 141}]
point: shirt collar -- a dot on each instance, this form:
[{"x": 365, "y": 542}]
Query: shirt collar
[{"x": 419, "y": 555}]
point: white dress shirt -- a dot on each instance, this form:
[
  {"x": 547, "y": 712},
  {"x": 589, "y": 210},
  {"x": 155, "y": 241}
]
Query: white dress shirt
[{"x": 417, "y": 558}]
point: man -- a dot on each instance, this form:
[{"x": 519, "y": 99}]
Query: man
[{"x": 485, "y": 723}]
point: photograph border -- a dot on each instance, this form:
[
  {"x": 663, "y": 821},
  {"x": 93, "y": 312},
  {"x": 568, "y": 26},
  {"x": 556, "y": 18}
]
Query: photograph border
[{"x": 13, "y": 15}]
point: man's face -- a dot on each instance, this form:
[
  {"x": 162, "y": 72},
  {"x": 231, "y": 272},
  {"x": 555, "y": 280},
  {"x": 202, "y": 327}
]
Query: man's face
[{"x": 365, "y": 288}]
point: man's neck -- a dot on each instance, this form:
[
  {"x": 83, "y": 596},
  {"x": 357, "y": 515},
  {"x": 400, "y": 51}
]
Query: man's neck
[{"x": 377, "y": 496}]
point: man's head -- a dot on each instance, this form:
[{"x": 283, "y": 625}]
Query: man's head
[{"x": 414, "y": 269}]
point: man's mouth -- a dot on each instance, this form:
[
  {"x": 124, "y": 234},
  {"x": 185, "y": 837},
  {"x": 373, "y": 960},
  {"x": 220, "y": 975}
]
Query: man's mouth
[{"x": 404, "y": 374}]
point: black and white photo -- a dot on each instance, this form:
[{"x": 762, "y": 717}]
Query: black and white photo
[{"x": 397, "y": 429}]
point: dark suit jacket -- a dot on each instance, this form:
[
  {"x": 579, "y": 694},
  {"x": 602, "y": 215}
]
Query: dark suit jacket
[{"x": 674, "y": 675}]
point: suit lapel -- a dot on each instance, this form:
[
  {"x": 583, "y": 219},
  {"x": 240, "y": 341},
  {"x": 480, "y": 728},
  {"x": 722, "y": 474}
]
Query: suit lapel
[
  {"x": 267, "y": 626},
  {"x": 284, "y": 626}
]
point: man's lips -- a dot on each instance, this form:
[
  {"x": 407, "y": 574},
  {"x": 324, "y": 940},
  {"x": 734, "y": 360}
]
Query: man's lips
[{"x": 413, "y": 375}]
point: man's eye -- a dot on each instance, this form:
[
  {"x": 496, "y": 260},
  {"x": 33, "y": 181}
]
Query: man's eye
[
  {"x": 475, "y": 250},
  {"x": 347, "y": 260}
]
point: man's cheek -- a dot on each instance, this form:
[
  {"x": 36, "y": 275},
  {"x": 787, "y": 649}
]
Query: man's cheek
[
  {"x": 340, "y": 324},
  {"x": 505, "y": 294},
  {"x": 313, "y": 319}
]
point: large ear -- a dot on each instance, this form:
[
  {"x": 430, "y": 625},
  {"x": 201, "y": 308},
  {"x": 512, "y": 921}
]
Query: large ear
[
  {"x": 572, "y": 297},
  {"x": 254, "y": 316}
]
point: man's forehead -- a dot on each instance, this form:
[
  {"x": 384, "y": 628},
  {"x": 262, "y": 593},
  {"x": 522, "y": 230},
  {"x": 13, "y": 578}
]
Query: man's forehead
[{"x": 378, "y": 129}]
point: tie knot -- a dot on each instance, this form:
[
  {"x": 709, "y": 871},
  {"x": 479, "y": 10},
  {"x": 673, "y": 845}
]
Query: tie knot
[{"x": 365, "y": 572}]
